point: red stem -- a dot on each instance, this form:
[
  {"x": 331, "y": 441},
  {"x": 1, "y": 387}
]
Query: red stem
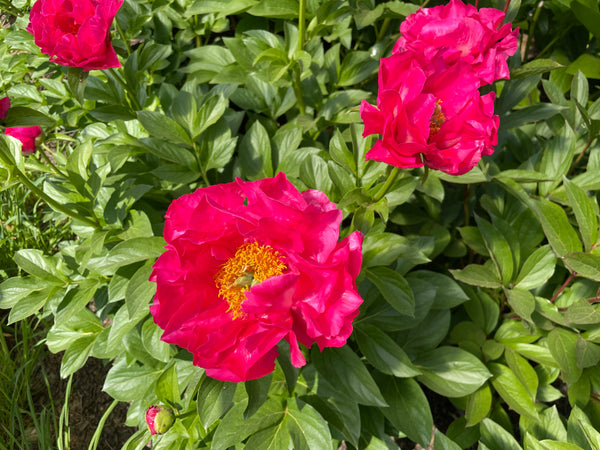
[
  {"x": 506, "y": 5},
  {"x": 571, "y": 276}
]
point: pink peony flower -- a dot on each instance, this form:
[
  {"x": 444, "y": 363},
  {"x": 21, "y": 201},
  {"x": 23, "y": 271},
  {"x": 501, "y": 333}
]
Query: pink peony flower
[
  {"x": 430, "y": 115},
  {"x": 27, "y": 135},
  {"x": 159, "y": 419},
  {"x": 75, "y": 33},
  {"x": 249, "y": 264},
  {"x": 4, "y": 106},
  {"x": 461, "y": 32}
]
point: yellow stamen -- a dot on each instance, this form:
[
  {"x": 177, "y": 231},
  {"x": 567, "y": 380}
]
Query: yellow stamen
[
  {"x": 252, "y": 264},
  {"x": 437, "y": 120}
]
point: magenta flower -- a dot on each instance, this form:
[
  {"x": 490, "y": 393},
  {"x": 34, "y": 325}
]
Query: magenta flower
[
  {"x": 4, "y": 106},
  {"x": 27, "y": 136},
  {"x": 459, "y": 32},
  {"x": 249, "y": 264},
  {"x": 75, "y": 33},
  {"x": 431, "y": 115}
]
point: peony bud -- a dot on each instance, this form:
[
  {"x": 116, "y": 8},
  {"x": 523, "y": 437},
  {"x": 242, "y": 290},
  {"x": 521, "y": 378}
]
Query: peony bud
[{"x": 159, "y": 419}]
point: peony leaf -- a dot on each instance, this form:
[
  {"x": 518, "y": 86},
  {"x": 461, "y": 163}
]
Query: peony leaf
[
  {"x": 306, "y": 426},
  {"x": 477, "y": 275},
  {"x": 381, "y": 351},
  {"x": 214, "y": 399},
  {"x": 342, "y": 368},
  {"x": 408, "y": 408},
  {"x": 537, "y": 269},
  {"x": 161, "y": 126},
  {"x": 394, "y": 288},
  {"x": 479, "y": 404},
  {"x": 494, "y": 437},
  {"x": 562, "y": 237},
  {"x": 451, "y": 371},
  {"x": 585, "y": 215},
  {"x": 561, "y": 343},
  {"x": 512, "y": 391},
  {"x": 127, "y": 383}
]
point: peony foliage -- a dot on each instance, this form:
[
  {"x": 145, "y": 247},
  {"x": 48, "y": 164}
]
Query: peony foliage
[{"x": 314, "y": 224}]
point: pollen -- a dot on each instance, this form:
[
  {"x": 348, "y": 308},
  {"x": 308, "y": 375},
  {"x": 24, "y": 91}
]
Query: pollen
[
  {"x": 437, "y": 120},
  {"x": 251, "y": 265}
]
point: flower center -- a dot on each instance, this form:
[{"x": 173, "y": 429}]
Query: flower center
[
  {"x": 252, "y": 264},
  {"x": 437, "y": 120}
]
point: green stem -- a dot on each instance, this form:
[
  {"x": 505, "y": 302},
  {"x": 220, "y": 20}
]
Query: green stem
[
  {"x": 96, "y": 437},
  {"x": 49, "y": 161},
  {"x": 298, "y": 89},
  {"x": 388, "y": 183},
  {"x": 122, "y": 34},
  {"x": 54, "y": 204},
  {"x": 383, "y": 29},
  {"x": 534, "y": 22},
  {"x": 356, "y": 153},
  {"x": 301, "y": 24},
  {"x": 123, "y": 84}
]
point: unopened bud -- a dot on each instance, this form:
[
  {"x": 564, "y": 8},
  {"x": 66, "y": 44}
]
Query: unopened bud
[{"x": 159, "y": 419}]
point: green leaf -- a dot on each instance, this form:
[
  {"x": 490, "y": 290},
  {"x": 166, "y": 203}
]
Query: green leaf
[
  {"x": 281, "y": 9},
  {"x": 522, "y": 302},
  {"x": 537, "y": 269},
  {"x": 167, "y": 386},
  {"x": 214, "y": 399},
  {"x": 498, "y": 248},
  {"x": 220, "y": 7},
  {"x": 126, "y": 383},
  {"x": 448, "y": 293},
  {"x": 586, "y": 265},
  {"x": 21, "y": 116},
  {"x": 342, "y": 368},
  {"x": 408, "y": 409},
  {"x": 497, "y": 438},
  {"x": 14, "y": 289},
  {"x": 477, "y": 275},
  {"x": 30, "y": 304},
  {"x": 341, "y": 154},
  {"x": 561, "y": 343},
  {"x": 209, "y": 113},
  {"x": 381, "y": 351},
  {"x": 76, "y": 355},
  {"x": 35, "y": 263},
  {"x": 451, "y": 371},
  {"x": 523, "y": 371},
  {"x": 306, "y": 427},
  {"x": 76, "y": 299},
  {"x": 588, "y": 16},
  {"x": 587, "y": 353},
  {"x": 394, "y": 288},
  {"x": 161, "y": 126},
  {"x": 581, "y": 432},
  {"x": 168, "y": 151},
  {"x": 535, "y": 67},
  {"x": 512, "y": 391},
  {"x": 128, "y": 252},
  {"x": 255, "y": 153},
  {"x": 584, "y": 213},
  {"x": 257, "y": 391},
  {"x": 139, "y": 291},
  {"x": 561, "y": 235},
  {"x": 478, "y": 406},
  {"x": 233, "y": 429},
  {"x": 356, "y": 67},
  {"x": 582, "y": 313}
]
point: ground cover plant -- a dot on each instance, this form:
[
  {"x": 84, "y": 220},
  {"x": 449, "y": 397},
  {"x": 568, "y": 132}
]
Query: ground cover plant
[{"x": 307, "y": 223}]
